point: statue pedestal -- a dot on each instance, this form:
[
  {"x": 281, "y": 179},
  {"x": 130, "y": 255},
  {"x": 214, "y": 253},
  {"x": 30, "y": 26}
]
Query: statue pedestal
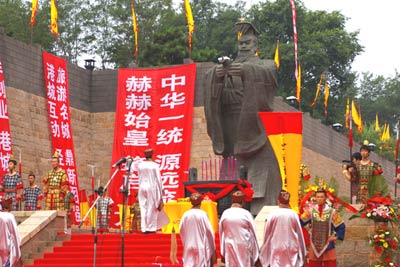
[
  {"x": 221, "y": 189},
  {"x": 260, "y": 222}
]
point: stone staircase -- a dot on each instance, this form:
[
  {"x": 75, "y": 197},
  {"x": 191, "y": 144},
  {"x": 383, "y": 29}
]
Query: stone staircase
[
  {"x": 42, "y": 247},
  {"x": 39, "y": 232},
  {"x": 42, "y": 234}
]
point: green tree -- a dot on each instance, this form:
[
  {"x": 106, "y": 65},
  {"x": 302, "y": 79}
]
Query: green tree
[
  {"x": 377, "y": 94},
  {"x": 323, "y": 45},
  {"x": 161, "y": 38},
  {"x": 15, "y": 20},
  {"x": 73, "y": 30},
  {"x": 214, "y": 35}
]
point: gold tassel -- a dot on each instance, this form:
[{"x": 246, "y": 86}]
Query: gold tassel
[{"x": 172, "y": 254}]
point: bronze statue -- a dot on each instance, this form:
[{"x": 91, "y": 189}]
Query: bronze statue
[{"x": 235, "y": 91}]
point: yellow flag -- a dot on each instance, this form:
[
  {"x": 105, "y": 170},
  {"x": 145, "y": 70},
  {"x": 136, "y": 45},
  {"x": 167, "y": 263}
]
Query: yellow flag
[
  {"x": 347, "y": 118},
  {"x": 377, "y": 127},
  {"x": 355, "y": 116},
  {"x": 34, "y": 11},
  {"x": 318, "y": 89},
  {"x": 54, "y": 18},
  {"x": 360, "y": 127},
  {"x": 135, "y": 29},
  {"x": 190, "y": 22},
  {"x": 298, "y": 84},
  {"x": 386, "y": 133},
  {"x": 326, "y": 99},
  {"x": 383, "y": 136},
  {"x": 276, "y": 58}
]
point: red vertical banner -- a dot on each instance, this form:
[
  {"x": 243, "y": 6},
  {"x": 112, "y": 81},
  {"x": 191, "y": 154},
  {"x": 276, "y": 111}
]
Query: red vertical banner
[
  {"x": 5, "y": 136},
  {"x": 284, "y": 130},
  {"x": 154, "y": 110},
  {"x": 56, "y": 79}
]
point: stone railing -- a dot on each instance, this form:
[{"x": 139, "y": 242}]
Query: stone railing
[{"x": 39, "y": 231}]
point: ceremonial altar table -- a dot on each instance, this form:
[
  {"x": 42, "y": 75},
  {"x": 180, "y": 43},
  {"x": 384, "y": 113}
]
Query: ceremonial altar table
[{"x": 175, "y": 211}]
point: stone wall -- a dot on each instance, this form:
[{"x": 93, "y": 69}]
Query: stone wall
[{"x": 93, "y": 101}]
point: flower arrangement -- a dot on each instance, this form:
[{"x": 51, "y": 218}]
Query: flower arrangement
[
  {"x": 381, "y": 209},
  {"x": 380, "y": 213},
  {"x": 391, "y": 264},
  {"x": 308, "y": 190},
  {"x": 385, "y": 243},
  {"x": 383, "y": 239}
]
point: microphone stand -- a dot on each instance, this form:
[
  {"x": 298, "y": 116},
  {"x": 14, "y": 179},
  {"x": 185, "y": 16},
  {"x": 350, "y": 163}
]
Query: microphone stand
[
  {"x": 88, "y": 212},
  {"x": 125, "y": 192}
]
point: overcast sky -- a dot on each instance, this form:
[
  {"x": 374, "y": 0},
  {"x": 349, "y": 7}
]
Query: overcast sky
[{"x": 377, "y": 22}]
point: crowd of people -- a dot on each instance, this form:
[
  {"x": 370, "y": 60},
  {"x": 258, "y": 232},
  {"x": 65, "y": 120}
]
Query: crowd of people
[
  {"x": 283, "y": 245},
  {"x": 284, "y": 242},
  {"x": 55, "y": 188}
]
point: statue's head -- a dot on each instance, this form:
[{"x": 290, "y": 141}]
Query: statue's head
[{"x": 247, "y": 38}]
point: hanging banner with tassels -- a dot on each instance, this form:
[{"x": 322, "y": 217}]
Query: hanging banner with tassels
[
  {"x": 56, "y": 80},
  {"x": 154, "y": 110},
  {"x": 284, "y": 130},
  {"x": 5, "y": 143}
]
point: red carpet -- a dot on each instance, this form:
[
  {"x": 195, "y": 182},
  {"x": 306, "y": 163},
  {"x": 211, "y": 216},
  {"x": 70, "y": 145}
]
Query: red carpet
[{"x": 141, "y": 250}]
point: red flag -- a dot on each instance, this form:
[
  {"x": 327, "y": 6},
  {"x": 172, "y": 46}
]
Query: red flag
[{"x": 348, "y": 114}]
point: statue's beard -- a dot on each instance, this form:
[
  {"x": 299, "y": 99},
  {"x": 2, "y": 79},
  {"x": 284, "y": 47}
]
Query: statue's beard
[{"x": 243, "y": 55}]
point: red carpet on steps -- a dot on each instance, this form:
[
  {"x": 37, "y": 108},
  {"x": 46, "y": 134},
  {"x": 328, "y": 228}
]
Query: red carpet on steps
[{"x": 141, "y": 250}]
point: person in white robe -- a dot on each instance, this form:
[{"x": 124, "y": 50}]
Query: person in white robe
[
  {"x": 239, "y": 247},
  {"x": 197, "y": 236},
  {"x": 150, "y": 194},
  {"x": 283, "y": 240},
  {"x": 10, "y": 241}
]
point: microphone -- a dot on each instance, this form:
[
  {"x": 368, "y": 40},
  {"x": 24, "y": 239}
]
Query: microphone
[
  {"x": 119, "y": 162},
  {"x": 129, "y": 164}
]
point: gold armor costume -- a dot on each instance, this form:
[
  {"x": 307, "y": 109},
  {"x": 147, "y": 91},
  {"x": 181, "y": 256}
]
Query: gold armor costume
[{"x": 55, "y": 187}]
